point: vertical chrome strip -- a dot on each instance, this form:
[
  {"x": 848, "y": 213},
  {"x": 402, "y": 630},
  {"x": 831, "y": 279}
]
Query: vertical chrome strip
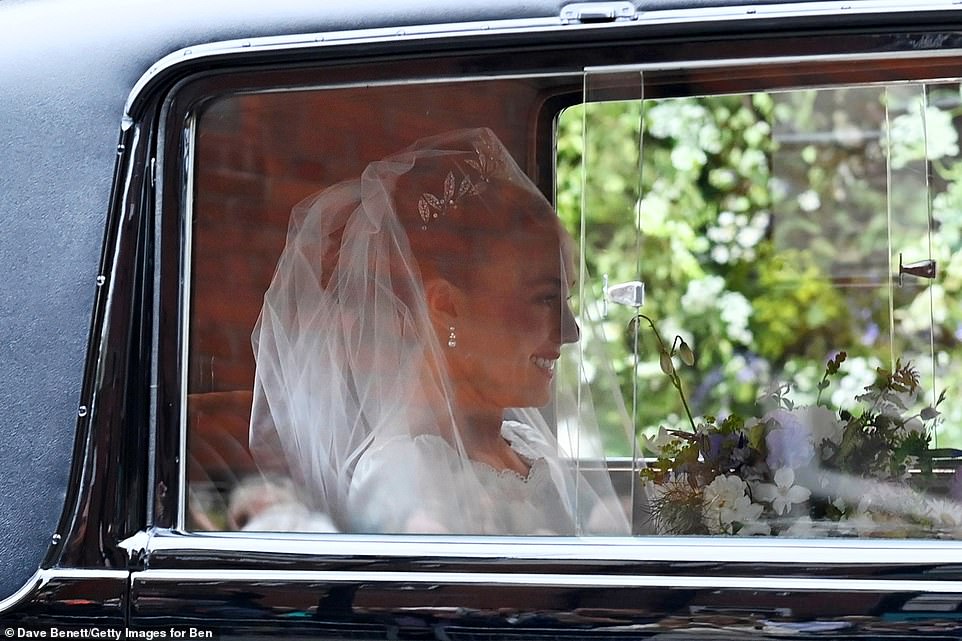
[{"x": 186, "y": 261}]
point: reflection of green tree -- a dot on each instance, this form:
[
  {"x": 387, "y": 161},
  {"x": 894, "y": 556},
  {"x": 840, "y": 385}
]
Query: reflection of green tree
[{"x": 760, "y": 227}]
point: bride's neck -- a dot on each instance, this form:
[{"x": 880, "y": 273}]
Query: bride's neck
[
  {"x": 481, "y": 430},
  {"x": 478, "y": 429},
  {"x": 481, "y": 434}
]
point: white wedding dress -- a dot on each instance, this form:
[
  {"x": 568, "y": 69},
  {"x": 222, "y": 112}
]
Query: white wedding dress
[{"x": 395, "y": 489}]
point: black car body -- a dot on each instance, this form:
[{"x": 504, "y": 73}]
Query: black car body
[{"x": 99, "y": 105}]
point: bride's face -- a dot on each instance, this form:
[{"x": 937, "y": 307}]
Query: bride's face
[{"x": 513, "y": 320}]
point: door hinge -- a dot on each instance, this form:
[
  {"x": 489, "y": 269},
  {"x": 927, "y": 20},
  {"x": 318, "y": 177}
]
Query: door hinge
[{"x": 582, "y": 12}]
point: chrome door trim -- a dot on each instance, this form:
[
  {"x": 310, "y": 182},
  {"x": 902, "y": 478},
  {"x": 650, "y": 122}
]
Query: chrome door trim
[
  {"x": 755, "y": 550},
  {"x": 767, "y": 583}
]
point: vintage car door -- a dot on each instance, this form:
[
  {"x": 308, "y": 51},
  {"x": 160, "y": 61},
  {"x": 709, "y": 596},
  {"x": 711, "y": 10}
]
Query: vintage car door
[{"x": 773, "y": 184}]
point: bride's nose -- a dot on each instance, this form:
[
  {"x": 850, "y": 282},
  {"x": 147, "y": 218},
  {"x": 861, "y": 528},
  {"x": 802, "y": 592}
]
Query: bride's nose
[{"x": 570, "y": 332}]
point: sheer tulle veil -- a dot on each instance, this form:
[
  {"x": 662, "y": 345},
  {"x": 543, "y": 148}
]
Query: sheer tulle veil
[{"x": 348, "y": 358}]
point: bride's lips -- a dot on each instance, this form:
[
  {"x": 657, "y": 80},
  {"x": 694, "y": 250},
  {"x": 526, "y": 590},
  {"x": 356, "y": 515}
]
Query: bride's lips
[{"x": 545, "y": 364}]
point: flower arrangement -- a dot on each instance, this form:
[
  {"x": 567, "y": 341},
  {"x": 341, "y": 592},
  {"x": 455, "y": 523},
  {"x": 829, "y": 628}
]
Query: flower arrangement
[{"x": 802, "y": 471}]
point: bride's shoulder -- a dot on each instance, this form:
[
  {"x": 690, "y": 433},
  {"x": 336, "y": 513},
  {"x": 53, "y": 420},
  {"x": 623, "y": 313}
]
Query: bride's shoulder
[{"x": 391, "y": 451}]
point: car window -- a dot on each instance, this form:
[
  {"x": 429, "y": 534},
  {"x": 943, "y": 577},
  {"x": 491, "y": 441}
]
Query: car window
[{"x": 738, "y": 321}]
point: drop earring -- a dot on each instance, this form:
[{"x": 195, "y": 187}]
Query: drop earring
[{"x": 452, "y": 337}]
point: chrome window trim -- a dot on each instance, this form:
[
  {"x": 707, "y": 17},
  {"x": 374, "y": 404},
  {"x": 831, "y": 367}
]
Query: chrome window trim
[
  {"x": 628, "y": 549},
  {"x": 544, "y": 25},
  {"x": 187, "y": 197},
  {"x": 674, "y": 581}
]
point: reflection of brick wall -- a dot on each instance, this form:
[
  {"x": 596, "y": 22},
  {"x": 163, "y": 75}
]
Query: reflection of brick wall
[{"x": 259, "y": 155}]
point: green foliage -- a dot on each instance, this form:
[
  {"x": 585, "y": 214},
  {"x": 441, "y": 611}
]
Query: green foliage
[
  {"x": 797, "y": 309},
  {"x": 763, "y": 228}
]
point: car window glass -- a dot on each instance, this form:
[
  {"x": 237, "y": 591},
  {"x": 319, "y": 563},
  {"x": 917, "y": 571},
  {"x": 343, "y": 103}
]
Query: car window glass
[{"x": 740, "y": 321}]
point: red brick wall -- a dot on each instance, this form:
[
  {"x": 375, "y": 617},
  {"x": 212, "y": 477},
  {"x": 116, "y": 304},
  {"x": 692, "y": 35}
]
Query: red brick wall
[{"x": 260, "y": 154}]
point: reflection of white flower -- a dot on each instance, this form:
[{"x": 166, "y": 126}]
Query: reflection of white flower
[
  {"x": 859, "y": 524},
  {"x": 656, "y": 445},
  {"x": 822, "y": 424},
  {"x": 783, "y": 493},
  {"x": 799, "y": 434},
  {"x": 790, "y": 444},
  {"x": 701, "y": 294},
  {"x": 913, "y": 426},
  {"x": 859, "y": 372},
  {"x": 735, "y": 236},
  {"x": 945, "y": 514},
  {"x": 754, "y": 528},
  {"x": 721, "y": 234},
  {"x": 687, "y": 158},
  {"x": 802, "y": 527},
  {"x": 913, "y": 140},
  {"x": 726, "y": 503},
  {"x": 750, "y": 236},
  {"x": 720, "y": 254},
  {"x": 809, "y": 200},
  {"x": 736, "y": 312}
]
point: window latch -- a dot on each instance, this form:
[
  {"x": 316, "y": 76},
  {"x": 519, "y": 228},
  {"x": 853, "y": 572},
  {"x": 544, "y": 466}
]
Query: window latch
[
  {"x": 582, "y": 12},
  {"x": 631, "y": 294},
  {"x": 921, "y": 269}
]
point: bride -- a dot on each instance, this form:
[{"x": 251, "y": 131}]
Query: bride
[{"x": 410, "y": 312}]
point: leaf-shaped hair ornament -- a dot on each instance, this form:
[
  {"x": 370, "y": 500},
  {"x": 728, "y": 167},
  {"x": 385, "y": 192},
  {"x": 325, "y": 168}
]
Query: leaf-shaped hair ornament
[{"x": 431, "y": 206}]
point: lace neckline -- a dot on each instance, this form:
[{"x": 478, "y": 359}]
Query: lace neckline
[
  {"x": 534, "y": 468},
  {"x": 510, "y": 432}
]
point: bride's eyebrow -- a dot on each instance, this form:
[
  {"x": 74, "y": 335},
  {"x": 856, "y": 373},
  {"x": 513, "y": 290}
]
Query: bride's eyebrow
[{"x": 552, "y": 281}]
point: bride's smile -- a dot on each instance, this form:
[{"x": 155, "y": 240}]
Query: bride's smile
[{"x": 547, "y": 364}]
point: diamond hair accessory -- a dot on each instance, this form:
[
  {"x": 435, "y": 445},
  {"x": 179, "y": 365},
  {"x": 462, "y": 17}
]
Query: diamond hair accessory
[{"x": 431, "y": 206}]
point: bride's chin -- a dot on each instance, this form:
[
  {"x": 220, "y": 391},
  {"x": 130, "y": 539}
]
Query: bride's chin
[{"x": 538, "y": 397}]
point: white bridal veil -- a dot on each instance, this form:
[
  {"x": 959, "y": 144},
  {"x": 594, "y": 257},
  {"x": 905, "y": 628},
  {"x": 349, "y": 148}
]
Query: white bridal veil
[{"x": 353, "y": 395}]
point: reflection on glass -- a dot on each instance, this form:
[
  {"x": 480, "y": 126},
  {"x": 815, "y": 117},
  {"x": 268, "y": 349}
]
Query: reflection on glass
[{"x": 768, "y": 230}]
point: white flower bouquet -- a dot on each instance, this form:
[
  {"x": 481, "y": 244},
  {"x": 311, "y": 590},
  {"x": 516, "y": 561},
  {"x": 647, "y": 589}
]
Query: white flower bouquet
[{"x": 803, "y": 471}]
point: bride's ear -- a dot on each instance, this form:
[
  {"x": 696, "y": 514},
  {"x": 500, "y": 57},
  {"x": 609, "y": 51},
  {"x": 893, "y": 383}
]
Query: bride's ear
[{"x": 445, "y": 300}]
